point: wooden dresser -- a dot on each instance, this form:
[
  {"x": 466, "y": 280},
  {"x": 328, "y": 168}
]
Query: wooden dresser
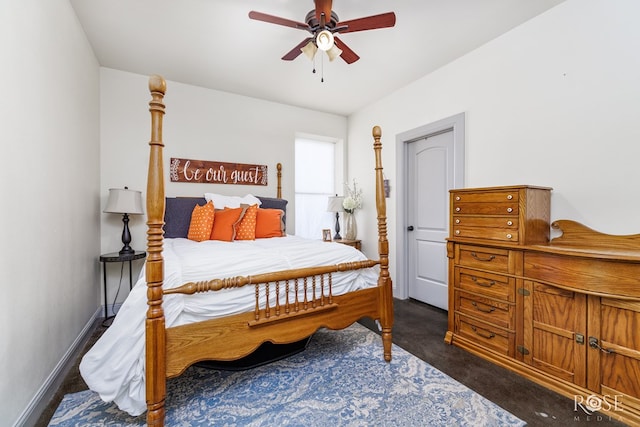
[{"x": 564, "y": 313}]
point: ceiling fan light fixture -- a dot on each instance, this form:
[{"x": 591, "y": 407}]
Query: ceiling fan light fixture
[
  {"x": 309, "y": 50},
  {"x": 334, "y": 52},
  {"x": 324, "y": 40}
]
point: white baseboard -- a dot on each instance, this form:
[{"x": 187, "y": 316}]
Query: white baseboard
[{"x": 40, "y": 401}]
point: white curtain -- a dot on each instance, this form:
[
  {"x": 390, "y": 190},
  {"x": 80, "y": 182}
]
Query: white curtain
[{"x": 315, "y": 182}]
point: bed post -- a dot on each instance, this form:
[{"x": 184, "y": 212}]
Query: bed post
[
  {"x": 155, "y": 370},
  {"x": 279, "y": 189},
  {"x": 384, "y": 280}
]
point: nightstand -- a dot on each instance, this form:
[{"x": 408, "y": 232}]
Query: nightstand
[
  {"x": 355, "y": 243},
  {"x": 117, "y": 257}
]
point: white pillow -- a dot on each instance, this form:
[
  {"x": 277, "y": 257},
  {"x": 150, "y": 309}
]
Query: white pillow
[{"x": 220, "y": 201}]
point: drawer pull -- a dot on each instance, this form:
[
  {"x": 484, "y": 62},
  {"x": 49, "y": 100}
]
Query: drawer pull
[
  {"x": 484, "y": 310},
  {"x": 509, "y": 236},
  {"x": 509, "y": 223},
  {"x": 489, "y": 259},
  {"x": 509, "y": 210},
  {"x": 458, "y": 209},
  {"x": 509, "y": 197},
  {"x": 458, "y": 198},
  {"x": 487, "y": 336},
  {"x": 457, "y": 220},
  {"x": 483, "y": 284}
]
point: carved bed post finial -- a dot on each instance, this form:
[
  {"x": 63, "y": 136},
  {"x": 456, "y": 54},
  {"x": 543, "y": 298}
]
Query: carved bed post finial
[
  {"x": 279, "y": 190},
  {"x": 384, "y": 280},
  {"x": 155, "y": 369}
]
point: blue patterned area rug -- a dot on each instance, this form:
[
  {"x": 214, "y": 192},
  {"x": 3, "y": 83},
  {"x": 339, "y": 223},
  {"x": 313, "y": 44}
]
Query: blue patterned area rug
[{"x": 341, "y": 379}]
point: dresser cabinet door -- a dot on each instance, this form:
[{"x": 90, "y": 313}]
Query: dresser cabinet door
[
  {"x": 555, "y": 325},
  {"x": 614, "y": 354}
]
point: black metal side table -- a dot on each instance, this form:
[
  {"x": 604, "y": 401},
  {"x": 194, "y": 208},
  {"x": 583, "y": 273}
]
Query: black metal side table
[{"x": 117, "y": 257}]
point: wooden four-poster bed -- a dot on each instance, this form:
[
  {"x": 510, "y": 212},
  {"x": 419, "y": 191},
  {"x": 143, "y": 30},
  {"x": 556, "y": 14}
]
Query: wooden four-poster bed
[{"x": 296, "y": 312}]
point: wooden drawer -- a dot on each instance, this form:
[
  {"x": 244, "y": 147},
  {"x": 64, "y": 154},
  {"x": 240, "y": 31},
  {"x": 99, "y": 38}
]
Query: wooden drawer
[
  {"x": 483, "y": 196},
  {"x": 486, "y": 222},
  {"x": 499, "y": 234},
  {"x": 494, "y": 259},
  {"x": 507, "y": 208},
  {"x": 484, "y": 283},
  {"x": 485, "y": 334},
  {"x": 588, "y": 275},
  {"x": 496, "y": 312}
]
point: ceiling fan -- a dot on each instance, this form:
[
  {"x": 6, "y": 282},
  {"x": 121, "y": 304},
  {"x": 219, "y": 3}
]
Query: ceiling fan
[{"x": 323, "y": 24}]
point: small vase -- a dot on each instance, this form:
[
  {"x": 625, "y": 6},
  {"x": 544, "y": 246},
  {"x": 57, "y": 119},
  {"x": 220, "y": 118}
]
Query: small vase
[{"x": 350, "y": 226}]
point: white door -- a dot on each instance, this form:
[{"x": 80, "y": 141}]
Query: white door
[{"x": 430, "y": 175}]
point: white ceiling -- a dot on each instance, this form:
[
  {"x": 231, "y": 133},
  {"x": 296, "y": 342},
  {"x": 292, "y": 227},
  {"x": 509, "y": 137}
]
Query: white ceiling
[{"x": 214, "y": 44}]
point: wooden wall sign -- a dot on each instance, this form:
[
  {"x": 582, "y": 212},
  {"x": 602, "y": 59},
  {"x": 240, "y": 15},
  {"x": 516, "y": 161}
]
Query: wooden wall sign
[{"x": 187, "y": 170}]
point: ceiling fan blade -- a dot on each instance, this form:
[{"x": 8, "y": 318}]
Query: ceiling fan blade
[
  {"x": 383, "y": 20},
  {"x": 347, "y": 54},
  {"x": 323, "y": 6},
  {"x": 259, "y": 16},
  {"x": 293, "y": 53}
]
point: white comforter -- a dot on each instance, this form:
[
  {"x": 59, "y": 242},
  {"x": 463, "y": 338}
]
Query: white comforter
[{"x": 114, "y": 367}]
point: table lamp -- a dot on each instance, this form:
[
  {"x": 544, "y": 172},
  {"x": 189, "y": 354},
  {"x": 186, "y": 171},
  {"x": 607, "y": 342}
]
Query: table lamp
[
  {"x": 335, "y": 205},
  {"x": 126, "y": 202}
]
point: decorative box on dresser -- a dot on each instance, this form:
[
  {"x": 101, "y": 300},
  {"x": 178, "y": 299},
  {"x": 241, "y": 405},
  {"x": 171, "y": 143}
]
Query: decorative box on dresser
[{"x": 564, "y": 313}]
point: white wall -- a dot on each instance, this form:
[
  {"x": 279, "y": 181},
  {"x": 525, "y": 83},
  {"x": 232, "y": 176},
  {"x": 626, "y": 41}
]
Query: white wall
[
  {"x": 50, "y": 197},
  {"x": 199, "y": 124},
  {"x": 554, "y": 102}
]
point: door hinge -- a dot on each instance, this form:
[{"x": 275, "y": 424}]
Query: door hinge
[
  {"x": 522, "y": 349},
  {"x": 524, "y": 292}
]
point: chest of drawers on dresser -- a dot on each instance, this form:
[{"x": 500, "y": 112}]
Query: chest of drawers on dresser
[
  {"x": 564, "y": 313},
  {"x": 517, "y": 214}
]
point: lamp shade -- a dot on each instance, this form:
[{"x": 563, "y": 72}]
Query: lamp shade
[
  {"x": 309, "y": 50},
  {"x": 123, "y": 200},
  {"x": 335, "y": 204},
  {"x": 334, "y": 52},
  {"x": 324, "y": 40}
]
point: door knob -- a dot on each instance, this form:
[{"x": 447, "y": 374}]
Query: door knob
[{"x": 410, "y": 228}]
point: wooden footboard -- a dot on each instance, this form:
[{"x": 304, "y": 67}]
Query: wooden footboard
[
  {"x": 170, "y": 351},
  {"x": 188, "y": 344}
]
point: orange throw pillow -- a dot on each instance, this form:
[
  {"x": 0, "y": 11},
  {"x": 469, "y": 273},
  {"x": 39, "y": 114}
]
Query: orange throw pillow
[
  {"x": 246, "y": 228},
  {"x": 269, "y": 223},
  {"x": 201, "y": 222},
  {"x": 224, "y": 225}
]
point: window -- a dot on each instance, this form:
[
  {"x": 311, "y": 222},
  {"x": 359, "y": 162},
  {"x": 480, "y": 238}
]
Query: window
[{"x": 318, "y": 170}]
